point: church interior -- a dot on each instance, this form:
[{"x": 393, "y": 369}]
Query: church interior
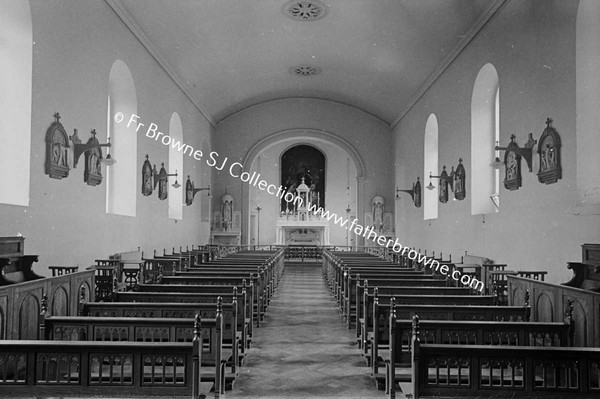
[{"x": 336, "y": 198}]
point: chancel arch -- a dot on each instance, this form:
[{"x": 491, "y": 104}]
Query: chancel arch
[{"x": 343, "y": 188}]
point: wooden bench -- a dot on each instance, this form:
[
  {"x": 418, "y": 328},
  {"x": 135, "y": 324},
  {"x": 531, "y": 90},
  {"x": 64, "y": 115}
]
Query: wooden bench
[
  {"x": 178, "y": 309},
  {"x": 259, "y": 295},
  {"x": 244, "y": 301},
  {"x": 403, "y": 287},
  {"x": 503, "y": 333},
  {"x": 353, "y": 291},
  {"x": 374, "y": 331},
  {"x": 90, "y": 369},
  {"x": 213, "y": 332},
  {"x": 484, "y": 370}
]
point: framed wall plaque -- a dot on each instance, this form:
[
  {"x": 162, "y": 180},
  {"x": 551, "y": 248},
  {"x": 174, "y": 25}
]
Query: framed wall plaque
[
  {"x": 189, "y": 192},
  {"x": 512, "y": 162},
  {"x": 147, "y": 177},
  {"x": 443, "y": 182},
  {"x": 93, "y": 172},
  {"x": 460, "y": 176},
  {"x": 57, "y": 150},
  {"x": 417, "y": 193},
  {"x": 549, "y": 155}
]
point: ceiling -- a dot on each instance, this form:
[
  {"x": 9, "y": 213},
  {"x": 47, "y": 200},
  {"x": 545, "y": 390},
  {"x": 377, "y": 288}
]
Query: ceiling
[{"x": 375, "y": 55}]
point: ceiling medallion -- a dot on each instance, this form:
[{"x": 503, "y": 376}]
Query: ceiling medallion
[
  {"x": 305, "y": 70},
  {"x": 304, "y": 10}
]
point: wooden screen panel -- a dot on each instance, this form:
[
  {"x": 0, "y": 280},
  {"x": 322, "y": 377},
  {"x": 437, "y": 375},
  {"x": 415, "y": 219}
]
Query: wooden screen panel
[{"x": 28, "y": 317}]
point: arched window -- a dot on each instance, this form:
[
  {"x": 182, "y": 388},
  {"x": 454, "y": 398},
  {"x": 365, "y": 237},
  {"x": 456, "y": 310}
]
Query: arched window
[
  {"x": 121, "y": 178},
  {"x": 303, "y": 163},
  {"x": 588, "y": 103},
  {"x": 430, "y": 165},
  {"x": 175, "y": 166},
  {"x": 485, "y": 132},
  {"x": 16, "y": 50}
]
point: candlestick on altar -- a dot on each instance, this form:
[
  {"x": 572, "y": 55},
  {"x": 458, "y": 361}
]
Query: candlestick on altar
[{"x": 318, "y": 200}]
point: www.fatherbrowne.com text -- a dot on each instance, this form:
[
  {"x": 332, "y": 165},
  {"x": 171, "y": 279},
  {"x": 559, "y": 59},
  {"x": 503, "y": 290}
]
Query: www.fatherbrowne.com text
[{"x": 236, "y": 170}]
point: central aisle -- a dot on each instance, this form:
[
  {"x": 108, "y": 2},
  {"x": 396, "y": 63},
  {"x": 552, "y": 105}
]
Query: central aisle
[{"x": 303, "y": 348}]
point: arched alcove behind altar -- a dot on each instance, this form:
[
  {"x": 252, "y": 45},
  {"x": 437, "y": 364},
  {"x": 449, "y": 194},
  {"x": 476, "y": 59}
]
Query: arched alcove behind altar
[
  {"x": 303, "y": 163},
  {"x": 343, "y": 182}
]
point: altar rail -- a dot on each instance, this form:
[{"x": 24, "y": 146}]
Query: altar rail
[
  {"x": 20, "y": 304},
  {"x": 550, "y": 303}
]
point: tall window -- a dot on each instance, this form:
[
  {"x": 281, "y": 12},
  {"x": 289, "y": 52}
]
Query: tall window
[
  {"x": 430, "y": 197},
  {"x": 121, "y": 178},
  {"x": 16, "y": 38},
  {"x": 485, "y": 132},
  {"x": 175, "y": 166},
  {"x": 588, "y": 102}
]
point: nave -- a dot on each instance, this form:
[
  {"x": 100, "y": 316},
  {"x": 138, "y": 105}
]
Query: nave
[
  {"x": 177, "y": 325},
  {"x": 304, "y": 348}
]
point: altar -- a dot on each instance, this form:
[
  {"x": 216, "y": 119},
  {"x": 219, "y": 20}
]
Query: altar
[{"x": 291, "y": 231}]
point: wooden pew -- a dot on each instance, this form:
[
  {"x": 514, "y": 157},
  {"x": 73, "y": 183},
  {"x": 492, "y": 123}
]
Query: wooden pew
[
  {"x": 155, "y": 329},
  {"x": 400, "y": 287},
  {"x": 258, "y": 293},
  {"x": 244, "y": 300},
  {"x": 351, "y": 292},
  {"x": 238, "y": 316},
  {"x": 375, "y": 332},
  {"x": 177, "y": 309},
  {"x": 372, "y": 300},
  {"x": 92, "y": 369},
  {"x": 540, "y": 372},
  {"x": 464, "y": 332},
  {"x": 352, "y": 275}
]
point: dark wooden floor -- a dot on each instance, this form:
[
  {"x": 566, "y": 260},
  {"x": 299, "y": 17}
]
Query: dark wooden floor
[{"x": 304, "y": 349}]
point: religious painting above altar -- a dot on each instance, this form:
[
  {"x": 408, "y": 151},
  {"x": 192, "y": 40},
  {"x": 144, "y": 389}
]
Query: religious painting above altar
[{"x": 303, "y": 162}]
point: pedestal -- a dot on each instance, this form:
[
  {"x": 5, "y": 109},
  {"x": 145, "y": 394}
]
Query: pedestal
[{"x": 225, "y": 238}]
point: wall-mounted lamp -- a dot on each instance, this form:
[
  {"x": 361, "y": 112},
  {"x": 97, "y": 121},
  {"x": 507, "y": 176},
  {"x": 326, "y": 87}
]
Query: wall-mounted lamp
[
  {"x": 496, "y": 200},
  {"x": 525, "y": 152},
  {"x": 163, "y": 175},
  {"x": 79, "y": 148},
  {"x": 409, "y": 192},
  {"x": 448, "y": 178},
  {"x": 191, "y": 191},
  {"x": 415, "y": 193},
  {"x": 497, "y": 164}
]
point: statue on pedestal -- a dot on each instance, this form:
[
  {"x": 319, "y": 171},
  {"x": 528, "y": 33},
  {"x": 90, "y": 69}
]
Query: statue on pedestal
[
  {"x": 377, "y": 209},
  {"x": 227, "y": 211}
]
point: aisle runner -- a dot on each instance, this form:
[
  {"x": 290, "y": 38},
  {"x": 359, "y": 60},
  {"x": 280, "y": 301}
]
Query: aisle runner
[{"x": 304, "y": 349}]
